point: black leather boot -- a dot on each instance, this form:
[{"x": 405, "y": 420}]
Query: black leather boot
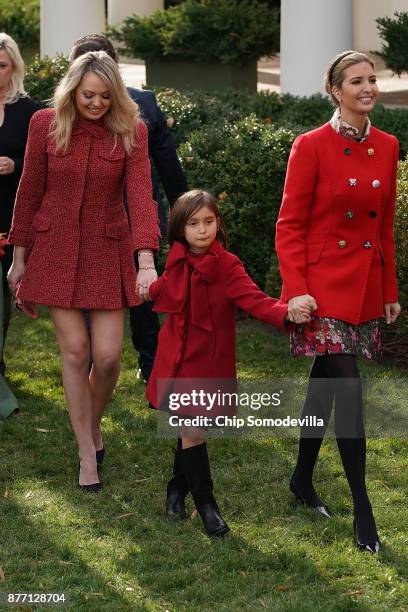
[
  {"x": 177, "y": 488},
  {"x": 196, "y": 468}
]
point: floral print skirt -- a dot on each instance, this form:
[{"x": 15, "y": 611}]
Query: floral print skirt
[{"x": 328, "y": 336}]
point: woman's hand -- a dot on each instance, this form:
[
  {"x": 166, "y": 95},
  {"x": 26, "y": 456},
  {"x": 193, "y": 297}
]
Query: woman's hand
[
  {"x": 15, "y": 274},
  {"x": 144, "y": 279},
  {"x": 7, "y": 166},
  {"x": 391, "y": 312},
  {"x": 300, "y": 308}
]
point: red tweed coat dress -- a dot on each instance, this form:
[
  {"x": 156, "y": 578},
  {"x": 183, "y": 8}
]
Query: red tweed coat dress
[
  {"x": 201, "y": 294},
  {"x": 69, "y": 215}
]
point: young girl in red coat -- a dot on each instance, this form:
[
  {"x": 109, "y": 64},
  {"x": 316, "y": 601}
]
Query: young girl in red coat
[{"x": 201, "y": 288}]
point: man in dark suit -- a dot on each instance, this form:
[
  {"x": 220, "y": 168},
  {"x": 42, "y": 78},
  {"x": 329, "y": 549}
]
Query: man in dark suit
[{"x": 144, "y": 323}]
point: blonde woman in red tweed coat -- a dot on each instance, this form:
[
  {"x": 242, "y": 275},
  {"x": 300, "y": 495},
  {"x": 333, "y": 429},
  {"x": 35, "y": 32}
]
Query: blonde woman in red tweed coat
[{"x": 73, "y": 246}]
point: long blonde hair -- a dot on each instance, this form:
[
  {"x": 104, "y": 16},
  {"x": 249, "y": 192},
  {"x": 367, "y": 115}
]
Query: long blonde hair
[
  {"x": 16, "y": 89},
  {"x": 121, "y": 117}
]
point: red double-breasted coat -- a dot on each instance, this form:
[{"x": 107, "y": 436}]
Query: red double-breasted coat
[
  {"x": 69, "y": 215},
  {"x": 334, "y": 235},
  {"x": 201, "y": 294}
]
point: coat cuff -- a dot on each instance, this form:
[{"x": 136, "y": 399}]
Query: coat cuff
[
  {"x": 283, "y": 314},
  {"x": 294, "y": 290},
  {"x": 390, "y": 297},
  {"x": 20, "y": 237}
]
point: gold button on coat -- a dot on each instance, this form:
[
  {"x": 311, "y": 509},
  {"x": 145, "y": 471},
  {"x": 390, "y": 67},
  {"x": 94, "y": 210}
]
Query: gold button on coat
[{"x": 342, "y": 244}]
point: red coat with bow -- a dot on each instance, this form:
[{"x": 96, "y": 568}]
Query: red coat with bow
[
  {"x": 201, "y": 294},
  {"x": 69, "y": 215},
  {"x": 334, "y": 235}
]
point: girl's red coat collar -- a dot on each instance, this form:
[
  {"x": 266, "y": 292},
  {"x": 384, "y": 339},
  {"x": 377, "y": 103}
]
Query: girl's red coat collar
[{"x": 181, "y": 263}]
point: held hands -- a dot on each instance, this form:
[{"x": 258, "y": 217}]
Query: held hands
[
  {"x": 391, "y": 312},
  {"x": 146, "y": 275},
  {"x": 300, "y": 308},
  {"x": 7, "y": 166}
]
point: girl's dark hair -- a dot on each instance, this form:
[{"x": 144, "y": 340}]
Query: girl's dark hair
[{"x": 185, "y": 206}]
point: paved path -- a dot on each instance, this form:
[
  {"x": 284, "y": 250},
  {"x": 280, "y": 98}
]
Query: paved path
[{"x": 394, "y": 89}]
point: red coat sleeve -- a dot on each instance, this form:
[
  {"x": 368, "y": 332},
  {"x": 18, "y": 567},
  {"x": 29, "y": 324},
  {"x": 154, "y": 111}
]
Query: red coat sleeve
[
  {"x": 156, "y": 287},
  {"x": 138, "y": 184},
  {"x": 387, "y": 238},
  {"x": 242, "y": 290},
  {"x": 33, "y": 181},
  {"x": 294, "y": 213}
]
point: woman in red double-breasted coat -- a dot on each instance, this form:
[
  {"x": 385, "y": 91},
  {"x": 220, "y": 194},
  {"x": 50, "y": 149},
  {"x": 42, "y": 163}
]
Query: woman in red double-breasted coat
[
  {"x": 335, "y": 245},
  {"x": 73, "y": 245},
  {"x": 200, "y": 291}
]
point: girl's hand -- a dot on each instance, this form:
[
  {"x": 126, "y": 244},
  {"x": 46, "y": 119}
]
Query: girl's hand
[
  {"x": 300, "y": 308},
  {"x": 15, "y": 274},
  {"x": 7, "y": 166},
  {"x": 391, "y": 312},
  {"x": 144, "y": 279},
  {"x": 304, "y": 315}
]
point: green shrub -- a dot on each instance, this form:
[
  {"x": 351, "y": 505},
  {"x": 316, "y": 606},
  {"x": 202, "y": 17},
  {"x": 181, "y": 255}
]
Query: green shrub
[
  {"x": 21, "y": 20},
  {"x": 395, "y": 337},
  {"x": 394, "y": 121},
  {"x": 395, "y": 34},
  {"x": 244, "y": 164},
  {"x": 43, "y": 75},
  {"x": 203, "y": 31},
  {"x": 192, "y": 110},
  {"x": 401, "y": 231}
]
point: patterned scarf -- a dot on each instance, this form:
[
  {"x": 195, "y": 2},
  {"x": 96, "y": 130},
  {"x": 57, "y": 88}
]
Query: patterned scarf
[{"x": 347, "y": 130}]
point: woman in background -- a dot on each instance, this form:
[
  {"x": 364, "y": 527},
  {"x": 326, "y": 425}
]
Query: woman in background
[{"x": 16, "y": 110}]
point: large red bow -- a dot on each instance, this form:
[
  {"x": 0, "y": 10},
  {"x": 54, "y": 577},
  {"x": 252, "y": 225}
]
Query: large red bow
[{"x": 181, "y": 263}]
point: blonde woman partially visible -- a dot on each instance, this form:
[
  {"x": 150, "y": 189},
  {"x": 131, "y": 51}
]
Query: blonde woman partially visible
[
  {"x": 73, "y": 245},
  {"x": 16, "y": 110}
]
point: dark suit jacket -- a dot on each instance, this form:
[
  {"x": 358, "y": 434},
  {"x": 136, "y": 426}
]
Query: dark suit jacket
[{"x": 162, "y": 151}]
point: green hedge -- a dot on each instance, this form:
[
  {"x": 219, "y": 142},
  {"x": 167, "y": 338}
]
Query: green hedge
[
  {"x": 43, "y": 75},
  {"x": 211, "y": 31},
  {"x": 395, "y": 337},
  {"x": 191, "y": 110},
  {"x": 21, "y": 20}
]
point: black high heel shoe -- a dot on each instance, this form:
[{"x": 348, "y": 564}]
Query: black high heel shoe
[
  {"x": 365, "y": 533},
  {"x": 89, "y": 488},
  {"x": 316, "y": 504}
]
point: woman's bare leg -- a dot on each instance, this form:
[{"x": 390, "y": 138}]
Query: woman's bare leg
[
  {"x": 106, "y": 341},
  {"x": 73, "y": 341},
  {"x": 192, "y": 436}
]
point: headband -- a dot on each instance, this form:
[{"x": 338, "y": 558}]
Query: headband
[{"x": 335, "y": 63}]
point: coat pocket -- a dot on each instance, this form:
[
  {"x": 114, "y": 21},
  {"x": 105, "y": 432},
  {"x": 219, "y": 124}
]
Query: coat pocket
[
  {"x": 314, "y": 251},
  {"x": 41, "y": 222},
  {"x": 117, "y": 229}
]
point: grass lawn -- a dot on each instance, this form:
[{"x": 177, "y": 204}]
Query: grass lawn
[{"x": 116, "y": 551}]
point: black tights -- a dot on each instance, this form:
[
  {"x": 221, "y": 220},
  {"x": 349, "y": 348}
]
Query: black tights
[{"x": 334, "y": 377}]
